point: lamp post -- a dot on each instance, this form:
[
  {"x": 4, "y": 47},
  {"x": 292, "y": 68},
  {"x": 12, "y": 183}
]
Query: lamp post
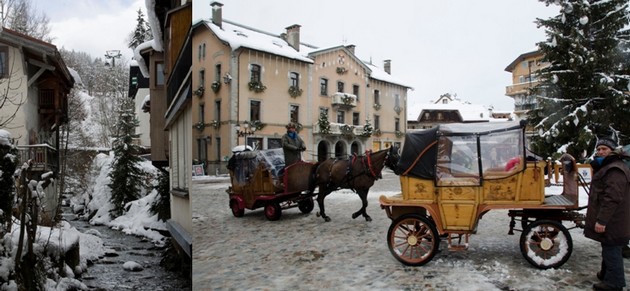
[{"x": 244, "y": 131}]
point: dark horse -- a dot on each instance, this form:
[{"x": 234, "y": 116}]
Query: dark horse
[{"x": 357, "y": 173}]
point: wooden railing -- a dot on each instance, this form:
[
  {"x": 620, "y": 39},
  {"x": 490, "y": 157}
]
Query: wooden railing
[{"x": 44, "y": 157}]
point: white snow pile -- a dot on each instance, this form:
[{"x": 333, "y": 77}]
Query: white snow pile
[{"x": 132, "y": 266}]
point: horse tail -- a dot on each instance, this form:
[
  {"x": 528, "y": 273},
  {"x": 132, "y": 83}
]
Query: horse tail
[{"x": 312, "y": 178}]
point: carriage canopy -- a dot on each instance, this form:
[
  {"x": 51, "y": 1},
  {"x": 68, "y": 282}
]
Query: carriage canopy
[{"x": 471, "y": 150}]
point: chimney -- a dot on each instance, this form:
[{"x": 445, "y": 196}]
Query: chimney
[
  {"x": 293, "y": 36},
  {"x": 387, "y": 66},
  {"x": 217, "y": 13},
  {"x": 351, "y": 47}
]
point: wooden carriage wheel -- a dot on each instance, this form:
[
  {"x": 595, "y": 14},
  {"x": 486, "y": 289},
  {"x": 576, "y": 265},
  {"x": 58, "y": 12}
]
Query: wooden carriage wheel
[
  {"x": 413, "y": 239},
  {"x": 546, "y": 244},
  {"x": 306, "y": 205}
]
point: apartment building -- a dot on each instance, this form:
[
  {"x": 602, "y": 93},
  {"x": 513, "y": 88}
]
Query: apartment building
[
  {"x": 248, "y": 84},
  {"x": 525, "y": 76}
]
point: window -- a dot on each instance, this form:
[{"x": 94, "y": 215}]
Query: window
[
  {"x": 274, "y": 143},
  {"x": 217, "y": 110},
  {"x": 217, "y": 73},
  {"x": 217, "y": 146},
  {"x": 439, "y": 116},
  {"x": 202, "y": 78},
  {"x": 377, "y": 122},
  {"x": 341, "y": 116},
  {"x": 203, "y": 51},
  {"x": 159, "y": 74},
  {"x": 340, "y": 86},
  {"x": 323, "y": 87},
  {"x": 377, "y": 97},
  {"x": 427, "y": 116},
  {"x": 444, "y": 101},
  {"x": 202, "y": 149},
  {"x": 199, "y": 53},
  {"x": 355, "y": 91},
  {"x": 294, "y": 79},
  {"x": 397, "y": 124},
  {"x": 397, "y": 100},
  {"x": 294, "y": 113},
  {"x": 254, "y": 110},
  {"x": 202, "y": 113},
  {"x": 255, "y": 73},
  {"x": 355, "y": 118}
]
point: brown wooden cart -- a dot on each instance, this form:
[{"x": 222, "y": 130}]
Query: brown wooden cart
[
  {"x": 259, "y": 179},
  {"x": 453, "y": 174}
]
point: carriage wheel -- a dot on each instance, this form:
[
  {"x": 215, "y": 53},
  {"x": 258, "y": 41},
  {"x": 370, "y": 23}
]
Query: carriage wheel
[
  {"x": 236, "y": 210},
  {"x": 273, "y": 211},
  {"x": 413, "y": 239},
  {"x": 546, "y": 244},
  {"x": 306, "y": 205}
]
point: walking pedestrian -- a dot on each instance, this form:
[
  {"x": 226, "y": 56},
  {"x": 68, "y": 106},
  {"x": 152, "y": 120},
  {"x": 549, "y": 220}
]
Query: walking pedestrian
[{"x": 608, "y": 213}]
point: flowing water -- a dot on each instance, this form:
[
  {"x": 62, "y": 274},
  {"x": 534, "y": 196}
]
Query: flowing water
[{"x": 108, "y": 273}]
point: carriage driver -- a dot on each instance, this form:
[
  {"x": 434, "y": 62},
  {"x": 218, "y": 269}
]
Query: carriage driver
[{"x": 292, "y": 145}]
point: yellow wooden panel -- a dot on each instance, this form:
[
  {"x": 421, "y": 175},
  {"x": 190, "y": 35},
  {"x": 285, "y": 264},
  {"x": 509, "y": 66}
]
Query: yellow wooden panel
[
  {"x": 500, "y": 189},
  {"x": 468, "y": 193},
  {"x": 458, "y": 216},
  {"x": 417, "y": 189},
  {"x": 533, "y": 184}
]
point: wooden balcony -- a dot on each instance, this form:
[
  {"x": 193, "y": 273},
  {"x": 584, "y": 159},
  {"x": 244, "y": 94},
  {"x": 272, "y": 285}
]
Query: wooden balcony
[{"x": 44, "y": 157}]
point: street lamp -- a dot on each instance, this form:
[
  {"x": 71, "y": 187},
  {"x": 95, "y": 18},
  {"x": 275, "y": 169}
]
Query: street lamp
[{"x": 245, "y": 130}]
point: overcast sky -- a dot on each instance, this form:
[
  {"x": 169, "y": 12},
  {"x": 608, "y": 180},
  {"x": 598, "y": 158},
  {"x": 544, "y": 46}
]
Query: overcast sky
[
  {"x": 92, "y": 26},
  {"x": 453, "y": 46}
]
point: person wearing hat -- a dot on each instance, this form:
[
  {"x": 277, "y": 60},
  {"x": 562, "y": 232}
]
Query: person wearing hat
[
  {"x": 608, "y": 212},
  {"x": 292, "y": 145}
]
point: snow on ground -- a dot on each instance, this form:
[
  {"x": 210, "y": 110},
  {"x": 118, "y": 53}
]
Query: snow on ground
[{"x": 302, "y": 252}]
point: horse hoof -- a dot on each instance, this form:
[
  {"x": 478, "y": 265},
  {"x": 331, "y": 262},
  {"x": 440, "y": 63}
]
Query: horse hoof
[
  {"x": 354, "y": 215},
  {"x": 327, "y": 219},
  {"x": 317, "y": 214},
  {"x": 367, "y": 218}
]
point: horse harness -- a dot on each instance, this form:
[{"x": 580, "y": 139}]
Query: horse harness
[{"x": 366, "y": 166}]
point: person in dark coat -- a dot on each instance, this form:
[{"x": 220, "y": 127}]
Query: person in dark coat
[
  {"x": 608, "y": 213},
  {"x": 292, "y": 145}
]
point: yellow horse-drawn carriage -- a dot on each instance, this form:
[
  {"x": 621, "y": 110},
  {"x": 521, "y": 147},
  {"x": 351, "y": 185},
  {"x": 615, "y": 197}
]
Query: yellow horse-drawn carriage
[{"x": 453, "y": 174}]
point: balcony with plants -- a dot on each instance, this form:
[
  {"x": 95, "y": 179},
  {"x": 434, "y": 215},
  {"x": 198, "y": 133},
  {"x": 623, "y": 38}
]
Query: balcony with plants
[{"x": 344, "y": 99}]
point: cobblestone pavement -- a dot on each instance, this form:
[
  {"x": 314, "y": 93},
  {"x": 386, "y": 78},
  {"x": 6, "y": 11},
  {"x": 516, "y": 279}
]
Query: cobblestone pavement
[{"x": 302, "y": 252}]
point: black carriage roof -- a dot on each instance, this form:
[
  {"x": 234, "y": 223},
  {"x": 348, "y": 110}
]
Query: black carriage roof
[{"x": 419, "y": 154}]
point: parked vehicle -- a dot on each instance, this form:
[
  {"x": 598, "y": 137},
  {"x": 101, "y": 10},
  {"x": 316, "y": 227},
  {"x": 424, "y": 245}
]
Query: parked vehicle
[{"x": 453, "y": 174}]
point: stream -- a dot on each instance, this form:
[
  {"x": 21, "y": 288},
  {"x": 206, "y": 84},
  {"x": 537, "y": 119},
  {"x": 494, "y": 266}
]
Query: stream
[{"x": 107, "y": 273}]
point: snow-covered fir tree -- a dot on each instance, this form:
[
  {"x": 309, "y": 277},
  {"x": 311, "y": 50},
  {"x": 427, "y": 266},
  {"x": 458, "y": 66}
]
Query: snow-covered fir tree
[
  {"x": 141, "y": 33},
  {"x": 126, "y": 176},
  {"x": 584, "y": 93}
]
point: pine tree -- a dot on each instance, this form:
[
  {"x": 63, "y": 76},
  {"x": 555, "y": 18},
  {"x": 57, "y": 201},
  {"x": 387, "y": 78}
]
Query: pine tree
[
  {"x": 583, "y": 94},
  {"x": 162, "y": 205},
  {"x": 8, "y": 164},
  {"x": 141, "y": 33},
  {"x": 126, "y": 176}
]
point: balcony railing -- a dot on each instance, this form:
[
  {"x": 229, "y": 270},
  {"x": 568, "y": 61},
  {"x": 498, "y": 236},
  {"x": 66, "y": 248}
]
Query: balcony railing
[
  {"x": 344, "y": 99},
  {"x": 44, "y": 157},
  {"x": 342, "y": 129}
]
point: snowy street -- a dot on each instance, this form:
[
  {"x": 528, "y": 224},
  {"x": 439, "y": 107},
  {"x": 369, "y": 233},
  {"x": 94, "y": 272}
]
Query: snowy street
[{"x": 303, "y": 252}]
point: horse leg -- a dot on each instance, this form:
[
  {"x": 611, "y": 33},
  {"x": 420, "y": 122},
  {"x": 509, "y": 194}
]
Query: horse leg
[
  {"x": 320, "y": 202},
  {"x": 363, "y": 211}
]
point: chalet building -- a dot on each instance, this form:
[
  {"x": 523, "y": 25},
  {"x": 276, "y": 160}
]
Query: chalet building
[
  {"x": 248, "y": 84},
  {"x": 525, "y": 76},
  {"x": 450, "y": 109},
  {"x": 139, "y": 91},
  {"x": 166, "y": 61},
  {"x": 34, "y": 86}
]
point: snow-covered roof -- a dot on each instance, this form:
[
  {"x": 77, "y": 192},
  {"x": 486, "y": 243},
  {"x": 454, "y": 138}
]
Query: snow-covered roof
[
  {"x": 469, "y": 112},
  {"x": 238, "y": 36},
  {"x": 5, "y": 137}
]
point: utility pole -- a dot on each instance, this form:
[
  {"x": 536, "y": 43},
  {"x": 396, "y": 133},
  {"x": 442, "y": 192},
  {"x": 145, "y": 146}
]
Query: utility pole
[{"x": 113, "y": 55}]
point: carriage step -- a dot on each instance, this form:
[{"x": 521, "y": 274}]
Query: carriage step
[{"x": 458, "y": 242}]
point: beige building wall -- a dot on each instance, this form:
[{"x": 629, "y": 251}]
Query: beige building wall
[
  {"x": 144, "y": 118},
  {"x": 15, "y": 87}
]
